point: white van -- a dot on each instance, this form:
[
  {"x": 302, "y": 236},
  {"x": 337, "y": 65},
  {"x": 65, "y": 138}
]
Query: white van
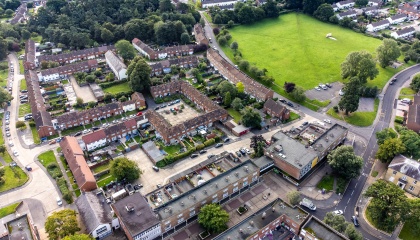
[{"x": 59, "y": 202}]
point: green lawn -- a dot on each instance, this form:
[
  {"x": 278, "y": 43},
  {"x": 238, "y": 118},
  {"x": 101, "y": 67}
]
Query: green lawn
[
  {"x": 8, "y": 209},
  {"x": 3, "y": 77},
  {"x": 293, "y": 116},
  {"x": 23, "y": 84},
  {"x": 35, "y": 135},
  {"x": 236, "y": 115},
  {"x": 47, "y": 157},
  {"x": 294, "y": 48},
  {"x": 102, "y": 168},
  {"x": 122, "y": 87},
  {"x": 15, "y": 177},
  {"x": 407, "y": 93},
  {"x": 327, "y": 183},
  {"x": 24, "y": 109},
  {"x": 361, "y": 119},
  {"x": 105, "y": 179},
  {"x": 37, "y": 39},
  {"x": 21, "y": 68},
  {"x": 407, "y": 233}
]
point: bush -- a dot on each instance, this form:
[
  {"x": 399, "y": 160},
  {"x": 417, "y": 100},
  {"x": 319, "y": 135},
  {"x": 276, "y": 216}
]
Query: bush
[
  {"x": 341, "y": 185},
  {"x": 399, "y": 120},
  {"x": 200, "y": 146},
  {"x": 335, "y": 108},
  {"x": 209, "y": 142},
  {"x": 110, "y": 84},
  {"x": 32, "y": 124}
]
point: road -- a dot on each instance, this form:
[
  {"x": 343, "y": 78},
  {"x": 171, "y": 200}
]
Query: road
[
  {"x": 40, "y": 186},
  {"x": 356, "y": 186}
]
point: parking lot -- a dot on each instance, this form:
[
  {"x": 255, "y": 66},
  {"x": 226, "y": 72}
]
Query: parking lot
[
  {"x": 82, "y": 92},
  {"x": 186, "y": 114},
  {"x": 324, "y": 95}
]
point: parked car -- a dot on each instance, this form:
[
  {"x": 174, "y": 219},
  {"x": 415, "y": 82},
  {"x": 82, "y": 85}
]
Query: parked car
[
  {"x": 11, "y": 144},
  {"x": 194, "y": 155},
  {"x": 15, "y": 153},
  {"x": 219, "y": 145},
  {"x": 159, "y": 186},
  {"x": 210, "y": 156},
  {"x": 95, "y": 128},
  {"x": 7, "y": 122},
  {"x": 28, "y": 168},
  {"x": 283, "y": 101},
  {"x": 305, "y": 123},
  {"x": 341, "y": 92},
  {"x": 203, "y": 151},
  {"x": 13, "y": 164},
  {"x": 328, "y": 85},
  {"x": 226, "y": 139},
  {"x": 327, "y": 121},
  {"x": 52, "y": 142},
  {"x": 7, "y": 128},
  {"x": 77, "y": 134},
  {"x": 247, "y": 151},
  {"x": 355, "y": 221},
  {"x": 317, "y": 88},
  {"x": 140, "y": 113},
  {"x": 8, "y": 134},
  {"x": 157, "y": 108},
  {"x": 290, "y": 104},
  {"x": 155, "y": 168},
  {"x": 242, "y": 150},
  {"x": 238, "y": 153}
]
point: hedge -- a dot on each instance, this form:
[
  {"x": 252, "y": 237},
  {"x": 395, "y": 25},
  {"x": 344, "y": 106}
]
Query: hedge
[
  {"x": 110, "y": 84},
  {"x": 209, "y": 142},
  {"x": 62, "y": 185},
  {"x": 200, "y": 146}
]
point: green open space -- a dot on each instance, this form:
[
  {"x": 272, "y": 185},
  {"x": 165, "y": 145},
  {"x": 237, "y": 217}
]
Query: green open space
[
  {"x": 105, "y": 179},
  {"x": 293, "y": 48},
  {"x": 327, "y": 183},
  {"x": 293, "y": 116},
  {"x": 35, "y": 135},
  {"x": 102, "y": 168},
  {"x": 8, "y": 209},
  {"x": 361, "y": 119},
  {"x": 407, "y": 231},
  {"x": 23, "y": 84},
  {"x": 407, "y": 93},
  {"x": 24, "y": 109},
  {"x": 3, "y": 77},
  {"x": 236, "y": 115},
  {"x": 122, "y": 87},
  {"x": 47, "y": 157},
  {"x": 14, "y": 177}
]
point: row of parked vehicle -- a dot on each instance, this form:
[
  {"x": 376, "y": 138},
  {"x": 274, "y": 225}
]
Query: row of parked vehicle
[
  {"x": 169, "y": 104},
  {"x": 323, "y": 86}
]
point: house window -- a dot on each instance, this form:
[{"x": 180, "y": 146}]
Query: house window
[{"x": 411, "y": 188}]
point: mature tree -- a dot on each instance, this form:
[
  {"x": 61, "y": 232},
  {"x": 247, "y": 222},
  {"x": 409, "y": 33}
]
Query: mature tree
[
  {"x": 415, "y": 83},
  {"x": 244, "y": 65},
  {"x": 362, "y": 3},
  {"x": 166, "y": 6},
  {"x": 258, "y": 144},
  {"x": 3, "y": 48},
  {"x": 389, "y": 149},
  {"x": 385, "y": 134},
  {"x": 251, "y": 117},
  {"x": 90, "y": 78},
  {"x": 125, "y": 49},
  {"x": 240, "y": 87},
  {"x": 20, "y": 124},
  {"x": 388, "y": 206},
  {"x": 222, "y": 40},
  {"x": 78, "y": 237},
  {"x": 79, "y": 101},
  {"x": 289, "y": 86},
  {"x": 213, "y": 218},
  {"x": 414, "y": 216},
  {"x": 2, "y": 149},
  {"x": 344, "y": 162},
  {"x": 237, "y": 104},
  {"x": 9, "y": 12},
  {"x": 271, "y": 9},
  {"x": 62, "y": 223},
  {"x": 294, "y": 4},
  {"x": 185, "y": 38},
  {"x": 138, "y": 73},
  {"x": 310, "y": 6},
  {"x": 324, "y": 12},
  {"x": 338, "y": 222},
  {"x": 230, "y": 24},
  {"x": 246, "y": 15},
  {"x": 293, "y": 197},
  {"x": 234, "y": 46},
  {"x": 298, "y": 94},
  {"x": 106, "y": 35},
  {"x": 227, "y": 99},
  {"x": 411, "y": 141},
  {"x": 388, "y": 52},
  {"x": 4, "y": 96},
  {"x": 349, "y": 102},
  {"x": 123, "y": 168},
  {"x": 25, "y": 34},
  {"x": 352, "y": 233},
  {"x": 225, "y": 87},
  {"x": 359, "y": 64}
]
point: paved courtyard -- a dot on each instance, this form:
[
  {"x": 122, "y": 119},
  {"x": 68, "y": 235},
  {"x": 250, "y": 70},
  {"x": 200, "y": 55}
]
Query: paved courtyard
[
  {"x": 187, "y": 113},
  {"x": 82, "y": 92}
]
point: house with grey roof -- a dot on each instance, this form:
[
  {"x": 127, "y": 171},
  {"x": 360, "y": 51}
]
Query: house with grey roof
[
  {"x": 116, "y": 65},
  {"x": 347, "y": 14},
  {"x": 377, "y": 26},
  {"x": 404, "y": 33},
  {"x": 405, "y": 173},
  {"x": 398, "y": 18},
  {"x": 96, "y": 214}
]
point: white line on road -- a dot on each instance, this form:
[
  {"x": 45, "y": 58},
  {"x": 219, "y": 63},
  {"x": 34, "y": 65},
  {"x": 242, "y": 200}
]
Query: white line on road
[
  {"x": 356, "y": 184},
  {"x": 348, "y": 201},
  {"x": 345, "y": 209},
  {"x": 351, "y": 193}
]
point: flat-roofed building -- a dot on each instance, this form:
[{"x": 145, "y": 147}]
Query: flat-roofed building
[
  {"x": 262, "y": 223},
  {"x": 316, "y": 229},
  {"x": 136, "y": 218}
]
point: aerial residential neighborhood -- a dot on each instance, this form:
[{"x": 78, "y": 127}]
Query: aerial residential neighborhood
[{"x": 212, "y": 119}]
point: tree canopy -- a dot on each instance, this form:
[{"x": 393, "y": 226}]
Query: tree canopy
[
  {"x": 324, "y": 12},
  {"x": 389, "y": 149},
  {"x": 61, "y": 224},
  {"x": 251, "y": 117},
  {"x": 388, "y": 206},
  {"x": 349, "y": 102},
  {"x": 388, "y": 51},
  {"x": 78, "y": 237},
  {"x": 138, "y": 73},
  {"x": 123, "y": 168},
  {"x": 213, "y": 218},
  {"x": 294, "y": 197},
  {"x": 411, "y": 141},
  {"x": 385, "y": 134},
  {"x": 125, "y": 49},
  {"x": 344, "y": 162},
  {"x": 359, "y": 64}
]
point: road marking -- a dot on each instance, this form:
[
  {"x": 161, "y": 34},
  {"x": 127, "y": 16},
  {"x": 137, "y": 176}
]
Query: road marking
[
  {"x": 348, "y": 201},
  {"x": 345, "y": 209},
  {"x": 351, "y": 193},
  {"x": 356, "y": 184}
]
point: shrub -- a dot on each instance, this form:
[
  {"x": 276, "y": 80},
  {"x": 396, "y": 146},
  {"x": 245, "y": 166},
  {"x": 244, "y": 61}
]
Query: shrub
[
  {"x": 335, "y": 108},
  {"x": 110, "y": 84},
  {"x": 200, "y": 146},
  {"x": 209, "y": 142},
  {"x": 32, "y": 124}
]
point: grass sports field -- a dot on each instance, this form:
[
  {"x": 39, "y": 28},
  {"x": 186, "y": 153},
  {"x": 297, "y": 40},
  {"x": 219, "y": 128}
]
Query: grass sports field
[{"x": 294, "y": 48}]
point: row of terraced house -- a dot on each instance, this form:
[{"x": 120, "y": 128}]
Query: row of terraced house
[
  {"x": 174, "y": 51},
  {"x": 234, "y": 75},
  {"x": 171, "y": 134}
]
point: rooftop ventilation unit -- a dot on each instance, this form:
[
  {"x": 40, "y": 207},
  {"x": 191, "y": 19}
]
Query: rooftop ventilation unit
[{"x": 129, "y": 208}]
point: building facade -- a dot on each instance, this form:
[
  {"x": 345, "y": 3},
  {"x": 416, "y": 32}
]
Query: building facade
[{"x": 405, "y": 173}]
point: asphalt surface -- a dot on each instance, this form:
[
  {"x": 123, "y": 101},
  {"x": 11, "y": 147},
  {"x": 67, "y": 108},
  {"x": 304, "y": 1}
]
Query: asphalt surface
[{"x": 351, "y": 197}]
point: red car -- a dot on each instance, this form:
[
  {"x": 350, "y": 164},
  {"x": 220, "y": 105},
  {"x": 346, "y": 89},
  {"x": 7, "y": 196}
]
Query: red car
[{"x": 139, "y": 114}]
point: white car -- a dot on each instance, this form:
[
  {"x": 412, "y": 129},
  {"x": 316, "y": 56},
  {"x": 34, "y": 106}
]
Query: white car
[
  {"x": 15, "y": 153},
  {"x": 11, "y": 143},
  {"x": 327, "y": 121},
  {"x": 318, "y": 88},
  {"x": 341, "y": 92},
  {"x": 247, "y": 151},
  {"x": 338, "y": 212}
]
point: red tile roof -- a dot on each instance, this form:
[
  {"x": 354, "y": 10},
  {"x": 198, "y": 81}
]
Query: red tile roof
[{"x": 93, "y": 137}]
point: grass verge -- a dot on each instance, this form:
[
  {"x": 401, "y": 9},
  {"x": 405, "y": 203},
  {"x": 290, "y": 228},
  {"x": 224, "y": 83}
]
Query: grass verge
[
  {"x": 35, "y": 135},
  {"x": 8, "y": 209},
  {"x": 23, "y": 84},
  {"x": 24, "y": 109},
  {"x": 14, "y": 177},
  {"x": 327, "y": 183},
  {"x": 236, "y": 115},
  {"x": 47, "y": 157},
  {"x": 361, "y": 119}
]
